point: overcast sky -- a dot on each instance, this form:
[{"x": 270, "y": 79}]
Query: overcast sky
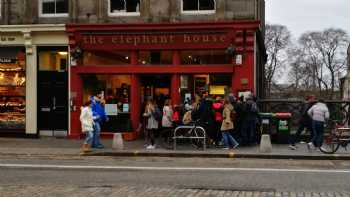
[{"x": 309, "y": 15}]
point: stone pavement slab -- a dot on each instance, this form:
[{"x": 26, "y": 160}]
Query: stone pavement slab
[{"x": 140, "y": 190}]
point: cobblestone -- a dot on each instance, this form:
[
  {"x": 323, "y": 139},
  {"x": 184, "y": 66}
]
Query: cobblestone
[{"x": 144, "y": 191}]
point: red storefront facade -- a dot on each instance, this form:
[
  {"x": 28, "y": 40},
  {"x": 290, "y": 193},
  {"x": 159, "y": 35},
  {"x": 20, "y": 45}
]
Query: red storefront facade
[{"x": 177, "y": 40}]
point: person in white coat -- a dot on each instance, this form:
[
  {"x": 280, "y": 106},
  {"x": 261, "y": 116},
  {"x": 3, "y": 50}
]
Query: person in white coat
[
  {"x": 167, "y": 122},
  {"x": 87, "y": 125},
  {"x": 319, "y": 114}
]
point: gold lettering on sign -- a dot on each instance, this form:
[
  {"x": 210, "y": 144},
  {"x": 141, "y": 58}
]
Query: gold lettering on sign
[
  {"x": 222, "y": 38},
  {"x": 154, "y": 40},
  {"x": 205, "y": 38},
  {"x": 187, "y": 39},
  {"x": 121, "y": 39},
  {"x": 145, "y": 39},
  {"x": 196, "y": 39},
  {"x": 128, "y": 40},
  {"x": 136, "y": 40},
  {"x": 100, "y": 40},
  {"x": 163, "y": 39}
]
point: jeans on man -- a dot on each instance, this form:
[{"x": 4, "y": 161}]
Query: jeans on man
[
  {"x": 89, "y": 135},
  {"x": 229, "y": 141},
  {"x": 96, "y": 137},
  {"x": 318, "y": 131}
]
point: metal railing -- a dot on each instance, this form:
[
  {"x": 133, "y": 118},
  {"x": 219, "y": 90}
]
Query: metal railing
[{"x": 339, "y": 110}]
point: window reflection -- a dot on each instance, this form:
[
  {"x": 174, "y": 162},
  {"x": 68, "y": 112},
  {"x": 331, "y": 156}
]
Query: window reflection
[
  {"x": 155, "y": 57},
  {"x": 93, "y": 58},
  {"x": 205, "y": 57}
]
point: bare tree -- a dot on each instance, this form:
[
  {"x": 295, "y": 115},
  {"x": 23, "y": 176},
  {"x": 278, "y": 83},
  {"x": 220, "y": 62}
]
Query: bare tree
[
  {"x": 325, "y": 55},
  {"x": 277, "y": 39}
]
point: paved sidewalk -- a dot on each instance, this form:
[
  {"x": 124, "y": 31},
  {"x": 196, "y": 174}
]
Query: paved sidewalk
[
  {"x": 147, "y": 191},
  {"x": 71, "y": 147}
]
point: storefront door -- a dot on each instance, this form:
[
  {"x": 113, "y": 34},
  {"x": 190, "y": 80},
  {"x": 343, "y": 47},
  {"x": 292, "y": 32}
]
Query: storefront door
[
  {"x": 156, "y": 87},
  {"x": 52, "y": 92}
]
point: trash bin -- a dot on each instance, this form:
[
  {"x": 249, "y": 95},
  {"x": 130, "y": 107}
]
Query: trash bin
[
  {"x": 283, "y": 121},
  {"x": 266, "y": 122}
]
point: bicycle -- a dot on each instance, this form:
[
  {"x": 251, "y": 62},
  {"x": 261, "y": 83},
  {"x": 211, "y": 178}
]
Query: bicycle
[
  {"x": 338, "y": 136},
  {"x": 194, "y": 132}
]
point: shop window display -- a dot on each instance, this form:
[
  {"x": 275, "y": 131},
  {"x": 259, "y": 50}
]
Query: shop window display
[
  {"x": 116, "y": 90},
  {"x": 12, "y": 89},
  {"x": 204, "y": 57},
  {"x": 155, "y": 57},
  {"x": 213, "y": 84}
]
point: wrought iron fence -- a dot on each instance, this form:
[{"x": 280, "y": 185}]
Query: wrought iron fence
[{"x": 339, "y": 110}]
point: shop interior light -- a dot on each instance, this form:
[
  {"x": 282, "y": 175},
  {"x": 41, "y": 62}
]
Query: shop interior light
[
  {"x": 63, "y": 52},
  {"x": 126, "y": 57}
]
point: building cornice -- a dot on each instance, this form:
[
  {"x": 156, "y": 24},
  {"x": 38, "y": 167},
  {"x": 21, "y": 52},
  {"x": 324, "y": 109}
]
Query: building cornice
[{"x": 33, "y": 28}]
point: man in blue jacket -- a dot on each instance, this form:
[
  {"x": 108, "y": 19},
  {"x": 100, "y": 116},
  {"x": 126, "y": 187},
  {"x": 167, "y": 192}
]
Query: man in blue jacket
[{"x": 99, "y": 115}]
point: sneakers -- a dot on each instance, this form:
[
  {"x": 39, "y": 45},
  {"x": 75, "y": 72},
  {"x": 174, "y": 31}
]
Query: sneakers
[
  {"x": 150, "y": 147},
  {"x": 235, "y": 146},
  {"x": 310, "y": 146},
  {"x": 225, "y": 148},
  {"x": 292, "y": 147}
]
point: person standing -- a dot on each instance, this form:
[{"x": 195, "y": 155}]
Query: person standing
[
  {"x": 319, "y": 114},
  {"x": 99, "y": 114},
  {"x": 305, "y": 122},
  {"x": 227, "y": 126},
  {"x": 167, "y": 122},
  {"x": 87, "y": 126},
  {"x": 250, "y": 121},
  {"x": 152, "y": 124},
  {"x": 218, "y": 107}
]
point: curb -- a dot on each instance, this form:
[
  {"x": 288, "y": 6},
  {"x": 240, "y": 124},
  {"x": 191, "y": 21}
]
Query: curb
[{"x": 218, "y": 155}]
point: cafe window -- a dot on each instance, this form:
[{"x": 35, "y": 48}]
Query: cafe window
[
  {"x": 198, "y": 6},
  {"x": 201, "y": 57},
  {"x": 95, "y": 58},
  {"x": 53, "y": 8},
  {"x": 12, "y": 89},
  {"x": 124, "y": 7},
  {"x": 155, "y": 57},
  {"x": 116, "y": 95}
]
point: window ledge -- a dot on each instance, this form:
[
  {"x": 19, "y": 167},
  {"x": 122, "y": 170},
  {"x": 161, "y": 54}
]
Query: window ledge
[
  {"x": 113, "y": 14},
  {"x": 53, "y": 15},
  {"x": 200, "y": 12}
]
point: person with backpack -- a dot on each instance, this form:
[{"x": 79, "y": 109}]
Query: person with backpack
[
  {"x": 152, "y": 124},
  {"x": 87, "y": 126},
  {"x": 227, "y": 126},
  {"x": 167, "y": 122}
]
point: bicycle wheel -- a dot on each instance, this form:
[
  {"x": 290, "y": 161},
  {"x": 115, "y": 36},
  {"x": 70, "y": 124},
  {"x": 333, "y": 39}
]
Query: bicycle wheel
[
  {"x": 330, "y": 145},
  {"x": 197, "y": 142}
]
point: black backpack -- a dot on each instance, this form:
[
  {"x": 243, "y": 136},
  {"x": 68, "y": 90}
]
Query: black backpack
[{"x": 157, "y": 114}]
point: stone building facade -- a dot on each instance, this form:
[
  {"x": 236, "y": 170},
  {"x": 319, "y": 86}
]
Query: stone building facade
[{"x": 15, "y": 12}]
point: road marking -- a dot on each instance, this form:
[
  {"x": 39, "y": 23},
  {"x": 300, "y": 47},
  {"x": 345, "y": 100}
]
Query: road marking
[{"x": 39, "y": 166}]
